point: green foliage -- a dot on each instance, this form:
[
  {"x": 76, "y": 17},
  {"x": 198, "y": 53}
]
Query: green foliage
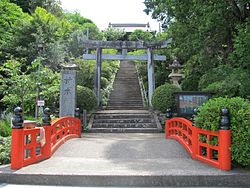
[
  {"x": 209, "y": 118},
  {"x": 113, "y": 34},
  {"x": 241, "y": 54},
  {"x": 5, "y": 146},
  {"x": 76, "y": 18},
  {"x": 11, "y": 18},
  {"x": 5, "y": 126},
  {"x": 86, "y": 98},
  {"x": 85, "y": 76},
  {"x": 226, "y": 81},
  {"x": 19, "y": 86},
  {"x": 140, "y": 35},
  {"x": 206, "y": 34},
  {"x": 29, "y": 6},
  {"x": 163, "y": 97}
]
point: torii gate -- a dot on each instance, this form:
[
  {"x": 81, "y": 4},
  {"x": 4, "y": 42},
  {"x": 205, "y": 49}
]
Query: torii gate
[{"x": 124, "y": 46}]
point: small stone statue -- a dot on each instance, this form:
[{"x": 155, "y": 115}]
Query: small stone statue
[
  {"x": 46, "y": 118},
  {"x": 17, "y": 120}
]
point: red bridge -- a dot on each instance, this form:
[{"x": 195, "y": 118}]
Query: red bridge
[
  {"x": 32, "y": 145},
  {"x": 207, "y": 146}
]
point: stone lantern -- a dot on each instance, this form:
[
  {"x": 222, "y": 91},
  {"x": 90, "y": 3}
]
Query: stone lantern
[{"x": 176, "y": 74}]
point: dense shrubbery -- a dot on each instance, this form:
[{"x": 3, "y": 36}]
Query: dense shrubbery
[
  {"x": 5, "y": 145},
  {"x": 209, "y": 118},
  {"x": 86, "y": 98},
  {"x": 5, "y": 127},
  {"x": 226, "y": 81},
  {"x": 163, "y": 97},
  {"x": 86, "y": 74}
]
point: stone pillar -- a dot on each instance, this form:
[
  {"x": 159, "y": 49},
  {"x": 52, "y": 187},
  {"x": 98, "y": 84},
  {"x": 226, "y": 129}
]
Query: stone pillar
[
  {"x": 98, "y": 73},
  {"x": 124, "y": 52},
  {"x": 68, "y": 90},
  {"x": 151, "y": 75}
]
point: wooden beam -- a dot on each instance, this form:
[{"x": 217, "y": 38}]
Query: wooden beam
[
  {"x": 93, "y": 44},
  {"x": 143, "y": 57}
]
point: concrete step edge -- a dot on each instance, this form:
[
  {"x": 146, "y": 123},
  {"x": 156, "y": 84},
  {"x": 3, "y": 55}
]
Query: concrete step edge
[{"x": 231, "y": 180}]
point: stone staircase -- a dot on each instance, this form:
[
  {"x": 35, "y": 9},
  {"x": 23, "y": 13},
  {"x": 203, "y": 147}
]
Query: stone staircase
[
  {"x": 125, "y": 111},
  {"x": 127, "y": 121},
  {"x": 126, "y": 92}
]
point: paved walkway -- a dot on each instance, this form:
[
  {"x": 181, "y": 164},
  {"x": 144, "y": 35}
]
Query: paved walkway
[{"x": 124, "y": 155}]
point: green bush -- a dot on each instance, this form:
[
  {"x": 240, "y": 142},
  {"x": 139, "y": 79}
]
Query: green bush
[
  {"x": 86, "y": 98},
  {"x": 163, "y": 97},
  {"x": 104, "y": 82},
  {"x": 5, "y": 145},
  {"x": 209, "y": 118},
  {"x": 5, "y": 127}
]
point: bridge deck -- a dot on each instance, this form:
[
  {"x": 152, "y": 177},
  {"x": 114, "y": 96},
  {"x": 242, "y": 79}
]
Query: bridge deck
[{"x": 97, "y": 158}]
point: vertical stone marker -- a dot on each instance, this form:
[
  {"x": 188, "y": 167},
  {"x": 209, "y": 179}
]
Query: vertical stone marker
[{"x": 68, "y": 90}]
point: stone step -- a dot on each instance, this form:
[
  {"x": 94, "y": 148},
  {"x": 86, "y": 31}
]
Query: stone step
[
  {"x": 123, "y": 100},
  {"x": 131, "y": 98},
  {"x": 125, "y": 90},
  {"x": 127, "y": 78},
  {"x": 125, "y": 108},
  {"x": 139, "y": 104},
  {"x": 237, "y": 179},
  {"x": 119, "y": 103},
  {"x": 126, "y": 84},
  {"x": 123, "y": 116},
  {"x": 128, "y": 120},
  {"x": 124, "y": 130},
  {"x": 124, "y": 125}
]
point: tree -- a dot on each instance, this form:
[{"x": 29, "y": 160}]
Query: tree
[
  {"x": 113, "y": 34},
  {"x": 42, "y": 35},
  {"x": 76, "y": 18},
  {"x": 139, "y": 34},
  {"x": 29, "y": 6},
  {"x": 17, "y": 86},
  {"x": 205, "y": 34},
  {"x": 11, "y": 18},
  {"x": 20, "y": 83}
]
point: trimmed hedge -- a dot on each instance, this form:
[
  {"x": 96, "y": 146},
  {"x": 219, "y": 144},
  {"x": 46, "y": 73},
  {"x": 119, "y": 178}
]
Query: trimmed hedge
[
  {"x": 86, "y": 98},
  {"x": 209, "y": 118},
  {"x": 163, "y": 97}
]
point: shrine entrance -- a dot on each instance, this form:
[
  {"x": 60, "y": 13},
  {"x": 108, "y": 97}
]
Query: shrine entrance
[{"x": 124, "y": 46}]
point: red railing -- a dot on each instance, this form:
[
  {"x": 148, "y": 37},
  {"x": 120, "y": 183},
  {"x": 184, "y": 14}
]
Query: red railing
[
  {"x": 35, "y": 144},
  {"x": 207, "y": 146}
]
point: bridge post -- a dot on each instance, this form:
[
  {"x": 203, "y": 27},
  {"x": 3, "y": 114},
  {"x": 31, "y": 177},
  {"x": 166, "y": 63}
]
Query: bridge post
[
  {"x": 98, "y": 73},
  {"x": 151, "y": 75},
  {"x": 46, "y": 119},
  {"x": 17, "y": 140}
]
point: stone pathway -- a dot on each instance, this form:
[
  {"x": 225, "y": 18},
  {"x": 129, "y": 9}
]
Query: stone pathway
[{"x": 123, "y": 160}]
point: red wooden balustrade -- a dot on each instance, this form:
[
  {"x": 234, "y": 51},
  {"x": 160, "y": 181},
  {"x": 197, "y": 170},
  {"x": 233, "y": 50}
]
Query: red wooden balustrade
[
  {"x": 35, "y": 144},
  {"x": 207, "y": 146}
]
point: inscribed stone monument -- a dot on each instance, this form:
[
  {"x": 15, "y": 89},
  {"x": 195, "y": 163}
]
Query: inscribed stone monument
[{"x": 68, "y": 91}]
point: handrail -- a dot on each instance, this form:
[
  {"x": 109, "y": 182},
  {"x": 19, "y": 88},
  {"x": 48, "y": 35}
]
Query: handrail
[
  {"x": 35, "y": 144},
  {"x": 202, "y": 144},
  {"x": 142, "y": 88}
]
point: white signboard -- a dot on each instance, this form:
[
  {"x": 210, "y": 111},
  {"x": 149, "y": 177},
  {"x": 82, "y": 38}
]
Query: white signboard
[{"x": 40, "y": 103}]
